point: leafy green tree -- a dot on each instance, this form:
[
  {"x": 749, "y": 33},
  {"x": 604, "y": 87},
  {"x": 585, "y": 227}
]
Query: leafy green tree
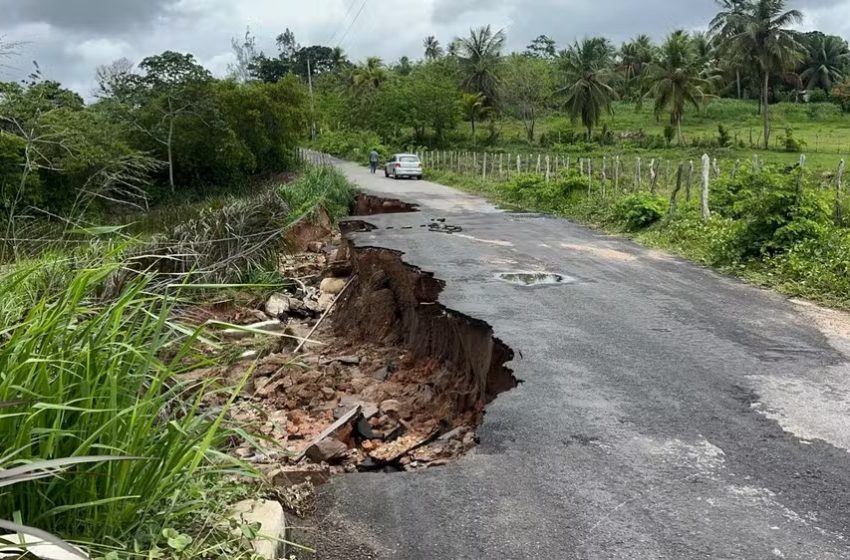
[
  {"x": 542, "y": 47},
  {"x": 474, "y": 107},
  {"x": 526, "y": 88},
  {"x": 676, "y": 79},
  {"x": 480, "y": 58},
  {"x": 761, "y": 29},
  {"x": 427, "y": 98},
  {"x": 404, "y": 67},
  {"x": 826, "y": 61},
  {"x": 586, "y": 67},
  {"x": 433, "y": 50}
]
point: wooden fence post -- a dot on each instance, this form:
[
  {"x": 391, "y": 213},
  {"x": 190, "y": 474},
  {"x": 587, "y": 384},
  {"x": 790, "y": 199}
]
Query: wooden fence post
[
  {"x": 676, "y": 190},
  {"x": 547, "y": 168},
  {"x": 716, "y": 168},
  {"x": 616, "y": 173},
  {"x": 537, "y": 169},
  {"x": 484, "y": 167},
  {"x": 518, "y": 163},
  {"x": 637, "y": 174},
  {"x": 706, "y": 174},
  {"x": 653, "y": 176},
  {"x": 839, "y": 175},
  {"x": 501, "y": 175},
  {"x": 690, "y": 181}
]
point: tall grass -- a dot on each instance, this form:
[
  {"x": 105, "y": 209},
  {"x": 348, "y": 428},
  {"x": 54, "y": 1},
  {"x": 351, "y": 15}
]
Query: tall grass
[
  {"x": 323, "y": 187},
  {"x": 90, "y": 379}
]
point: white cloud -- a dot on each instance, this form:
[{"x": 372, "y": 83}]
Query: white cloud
[{"x": 70, "y": 38}]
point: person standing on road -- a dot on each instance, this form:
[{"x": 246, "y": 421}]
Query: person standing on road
[{"x": 373, "y": 161}]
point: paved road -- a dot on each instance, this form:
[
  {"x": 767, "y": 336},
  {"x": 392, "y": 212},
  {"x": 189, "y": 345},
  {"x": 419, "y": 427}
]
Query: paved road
[{"x": 667, "y": 412}]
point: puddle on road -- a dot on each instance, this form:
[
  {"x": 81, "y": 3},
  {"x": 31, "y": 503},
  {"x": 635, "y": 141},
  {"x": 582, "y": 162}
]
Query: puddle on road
[{"x": 534, "y": 278}]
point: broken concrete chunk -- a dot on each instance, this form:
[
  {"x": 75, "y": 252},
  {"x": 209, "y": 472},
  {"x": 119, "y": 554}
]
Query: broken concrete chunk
[
  {"x": 396, "y": 408},
  {"x": 269, "y": 515},
  {"x": 277, "y": 305},
  {"x": 333, "y": 286},
  {"x": 327, "y": 451}
]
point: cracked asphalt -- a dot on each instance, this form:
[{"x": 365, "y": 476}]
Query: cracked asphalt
[{"x": 667, "y": 412}]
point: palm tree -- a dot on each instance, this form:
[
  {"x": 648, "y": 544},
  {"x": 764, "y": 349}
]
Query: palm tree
[
  {"x": 480, "y": 57},
  {"x": 433, "y": 50},
  {"x": 633, "y": 58},
  {"x": 589, "y": 94},
  {"x": 677, "y": 79},
  {"x": 760, "y": 28},
  {"x": 369, "y": 75},
  {"x": 722, "y": 28},
  {"x": 826, "y": 62},
  {"x": 474, "y": 107}
]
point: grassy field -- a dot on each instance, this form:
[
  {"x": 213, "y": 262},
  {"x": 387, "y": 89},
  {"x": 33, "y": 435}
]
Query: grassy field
[{"x": 821, "y": 129}]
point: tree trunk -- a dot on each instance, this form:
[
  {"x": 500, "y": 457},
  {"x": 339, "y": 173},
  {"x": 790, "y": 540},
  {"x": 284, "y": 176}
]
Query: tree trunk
[
  {"x": 171, "y": 154},
  {"x": 765, "y": 90},
  {"x": 738, "y": 82},
  {"x": 679, "y": 131}
]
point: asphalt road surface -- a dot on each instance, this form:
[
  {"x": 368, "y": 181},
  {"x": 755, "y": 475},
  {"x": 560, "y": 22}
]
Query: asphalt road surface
[{"x": 667, "y": 412}]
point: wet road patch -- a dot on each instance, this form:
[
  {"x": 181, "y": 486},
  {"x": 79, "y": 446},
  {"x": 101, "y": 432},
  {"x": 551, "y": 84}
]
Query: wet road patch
[{"x": 524, "y": 278}]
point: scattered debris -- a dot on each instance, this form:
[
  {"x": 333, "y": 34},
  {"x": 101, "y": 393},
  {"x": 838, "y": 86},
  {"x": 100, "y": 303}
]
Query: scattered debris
[{"x": 268, "y": 517}]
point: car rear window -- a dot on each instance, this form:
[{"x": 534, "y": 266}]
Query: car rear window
[{"x": 409, "y": 159}]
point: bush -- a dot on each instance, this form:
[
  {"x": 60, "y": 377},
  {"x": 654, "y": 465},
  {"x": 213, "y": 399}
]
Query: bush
[
  {"x": 791, "y": 144},
  {"x": 724, "y": 139},
  {"x": 531, "y": 190},
  {"x": 640, "y": 210},
  {"x": 352, "y": 145},
  {"x": 775, "y": 214}
]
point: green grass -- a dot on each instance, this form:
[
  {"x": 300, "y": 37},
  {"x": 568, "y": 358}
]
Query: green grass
[{"x": 91, "y": 354}]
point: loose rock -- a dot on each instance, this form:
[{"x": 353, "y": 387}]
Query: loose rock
[
  {"x": 333, "y": 286},
  {"x": 327, "y": 451}
]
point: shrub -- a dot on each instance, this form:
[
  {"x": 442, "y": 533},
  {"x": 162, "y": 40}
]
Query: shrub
[
  {"x": 791, "y": 144},
  {"x": 669, "y": 133},
  {"x": 775, "y": 214},
  {"x": 640, "y": 210},
  {"x": 724, "y": 139}
]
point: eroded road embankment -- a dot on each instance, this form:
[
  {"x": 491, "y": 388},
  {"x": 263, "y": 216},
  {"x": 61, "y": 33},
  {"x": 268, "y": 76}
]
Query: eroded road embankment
[{"x": 666, "y": 412}]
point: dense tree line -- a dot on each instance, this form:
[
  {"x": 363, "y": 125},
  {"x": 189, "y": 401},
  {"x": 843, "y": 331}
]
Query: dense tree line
[
  {"x": 748, "y": 51},
  {"x": 164, "y": 126}
]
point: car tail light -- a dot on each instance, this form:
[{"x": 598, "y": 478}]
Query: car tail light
[{"x": 397, "y": 165}]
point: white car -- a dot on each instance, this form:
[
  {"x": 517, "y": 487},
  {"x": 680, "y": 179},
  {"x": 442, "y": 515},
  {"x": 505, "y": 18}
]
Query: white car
[{"x": 403, "y": 165}]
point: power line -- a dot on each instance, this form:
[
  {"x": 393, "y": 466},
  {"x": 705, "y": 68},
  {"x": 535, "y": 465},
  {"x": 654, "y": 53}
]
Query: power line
[
  {"x": 360, "y": 11},
  {"x": 342, "y": 21}
]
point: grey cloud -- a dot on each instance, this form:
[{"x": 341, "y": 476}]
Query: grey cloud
[{"x": 93, "y": 15}]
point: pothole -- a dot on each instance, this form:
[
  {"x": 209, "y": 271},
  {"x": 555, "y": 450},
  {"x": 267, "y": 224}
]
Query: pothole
[
  {"x": 522, "y": 278},
  {"x": 368, "y": 205}
]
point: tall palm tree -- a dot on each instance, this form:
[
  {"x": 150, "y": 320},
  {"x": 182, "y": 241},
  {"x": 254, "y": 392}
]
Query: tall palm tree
[
  {"x": 480, "y": 57},
  {"x": 474, "y": 108},
  {"x": 369, "y": 75},
  {"x": 633, "y": 58},
  {"x": 433, "y": 50},
  {"x": 587, "y": 72},
  {"x": 722, "y": 28},
  {"x": 760, "y": 28},
  {"x": 826, "y": 61},
  {"x": 676, "y": 79}
]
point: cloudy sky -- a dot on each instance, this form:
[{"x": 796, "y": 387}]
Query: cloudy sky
[{"x": 70, "y": 38}]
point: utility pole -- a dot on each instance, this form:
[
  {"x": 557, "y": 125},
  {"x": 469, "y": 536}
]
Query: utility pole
[{"x": 312, "y": 104}]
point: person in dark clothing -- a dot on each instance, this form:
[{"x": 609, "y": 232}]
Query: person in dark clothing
[{"x": 373, "y": 161}]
